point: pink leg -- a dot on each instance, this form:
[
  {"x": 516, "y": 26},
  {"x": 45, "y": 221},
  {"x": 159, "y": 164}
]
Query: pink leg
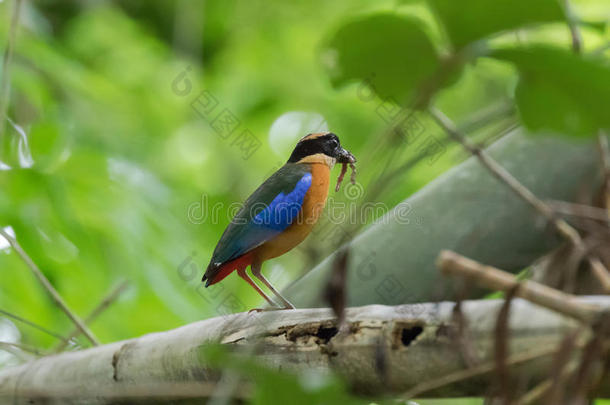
[
  {"x": 242, "y": 273},
  {"x": 256, "y": 270}
]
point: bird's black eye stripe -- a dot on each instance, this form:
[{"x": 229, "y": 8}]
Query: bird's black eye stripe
[
  {"x": 322, "y": 144},
  {"x": 305, "y": 148}
]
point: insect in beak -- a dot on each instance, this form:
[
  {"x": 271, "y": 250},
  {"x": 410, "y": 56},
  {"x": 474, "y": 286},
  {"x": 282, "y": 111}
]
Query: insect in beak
[
  {"x": 344, "y": 156},
  {"x": 346, "y": 159}
]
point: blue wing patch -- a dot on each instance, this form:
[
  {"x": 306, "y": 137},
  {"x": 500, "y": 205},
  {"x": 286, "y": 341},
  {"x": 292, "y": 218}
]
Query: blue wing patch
[
  {"x": 279, "y": 201},
  {"x": 284, "y": 208}
]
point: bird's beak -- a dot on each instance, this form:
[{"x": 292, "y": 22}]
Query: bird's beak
[{"x": 344, "y": 156}]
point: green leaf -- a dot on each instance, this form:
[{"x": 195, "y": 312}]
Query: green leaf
[
  {"x": 388, "y": 52},
  {"x": 468, "y": 21},
  {"x": 559, "y": 90}
]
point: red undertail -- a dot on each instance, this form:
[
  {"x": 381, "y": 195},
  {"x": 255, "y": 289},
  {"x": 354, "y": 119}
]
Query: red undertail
[{"x": 242, "y": 261}]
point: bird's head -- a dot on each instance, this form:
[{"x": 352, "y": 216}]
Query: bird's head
[{"x": 323, "y": 147}]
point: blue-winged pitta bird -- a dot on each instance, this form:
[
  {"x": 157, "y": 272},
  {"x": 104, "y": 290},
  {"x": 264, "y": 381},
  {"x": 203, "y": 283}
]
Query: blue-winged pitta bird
[{"x": 280, "y": 213}]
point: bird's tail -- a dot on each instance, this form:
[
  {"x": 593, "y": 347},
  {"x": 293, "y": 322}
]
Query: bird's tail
[
  {"x": 216, "y": 272},
  {"x": 210, "y": 272}
]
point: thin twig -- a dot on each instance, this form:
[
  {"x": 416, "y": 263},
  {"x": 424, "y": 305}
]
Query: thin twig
[
  {"x": 6, "y": 64},
  {"x": 602, "y": 140},
  {"x": 32, "y": 324},
  {"x": 501, "y": 348},
  {"x": 487, "y": 116},
  {"x": 105, "y": 303},
  {"x": 604, "y": 158},
  {"x": 591, "y": 364},
  {"x": 503, "y": 175},
  {"x": 49, "y": 287},
  {"x": 565, "y": 353},
  {"x": 534, "y": 395},
  {"x": 573, "y": 25},
  {"x": 461, "y": 335},
  {"x": 24, "y": 347},
  {"x": 603, "y": 152},
  {"x": 579, "y": 210},
  {"x": 451, "y": 263},
  {"x": 562, "y": 227},
  {"x": 15, "y": 351},
  {"x": 475, "y": 371},
  {"x": 601, "y": 272}
]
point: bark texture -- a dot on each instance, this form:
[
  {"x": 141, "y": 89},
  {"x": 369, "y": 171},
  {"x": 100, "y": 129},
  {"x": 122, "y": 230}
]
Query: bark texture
[{"x": 418, "y": 343}]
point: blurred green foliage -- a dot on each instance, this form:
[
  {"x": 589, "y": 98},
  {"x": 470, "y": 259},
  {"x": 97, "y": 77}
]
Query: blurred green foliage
[
  {"x": 559, "y": 90},
  {"x": 476, "y": 19},
  {"x": 106, "y": 160},
  {"x": 118, "y": 157},
  {"x": 360, "y": 50},
  {"x": 279, "y": 387}
]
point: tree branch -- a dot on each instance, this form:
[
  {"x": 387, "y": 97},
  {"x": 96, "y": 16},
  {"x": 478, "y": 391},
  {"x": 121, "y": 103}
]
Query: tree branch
[
  {"x": 562, "y": 227},
  {"x": 415, "y": 341},
  {"x": 23, "y": 347},
  {"x": 579, "y": 210},
  {"x": 504, "y": 176},
  {"x": 601, "y": 272},
  {"x": 451, "y": 263},
  {"x": 32, "y": 324}
]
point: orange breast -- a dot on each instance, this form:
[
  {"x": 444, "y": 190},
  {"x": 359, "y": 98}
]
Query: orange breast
[{"x": 313, "y": 204}]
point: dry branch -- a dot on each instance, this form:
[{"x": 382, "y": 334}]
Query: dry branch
[
  {"x": 562, "y": 227},
  {"x": 492, "y": 278},
  {"x": 580, "y": 210},
  {"x": 504, "y": 176},
  {"x": 416, "y": 340},
  {"x": 601, "y": 272}
]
